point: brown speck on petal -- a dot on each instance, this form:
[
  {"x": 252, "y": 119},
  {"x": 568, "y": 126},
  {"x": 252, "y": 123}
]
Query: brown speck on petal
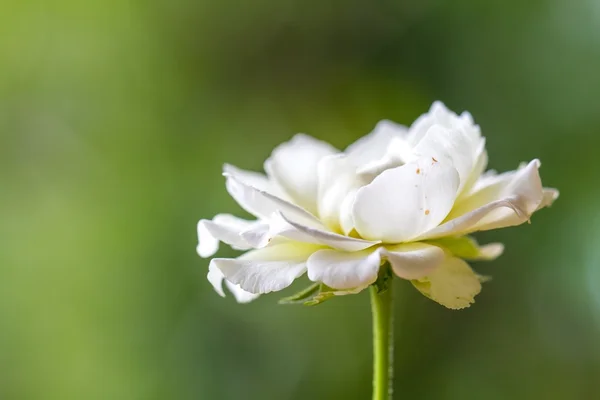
[
  {"x": 426, "y": 212},
  {"x": 418, "y": 170},
  {"x": 434, "y": 160}
]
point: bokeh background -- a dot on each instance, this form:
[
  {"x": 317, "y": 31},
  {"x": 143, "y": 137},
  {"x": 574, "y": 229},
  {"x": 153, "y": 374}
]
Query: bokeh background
[{"x": 115, "y": 119}]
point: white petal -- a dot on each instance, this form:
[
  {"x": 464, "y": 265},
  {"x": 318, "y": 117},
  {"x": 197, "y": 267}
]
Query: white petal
[
  {"x": 260, "y": 235},
  {"x": 398, "y": 153},
  {"x": 406, "y": 201},
  {"x": 293, "y": 165},
  {"x": 255, "y": 179},
  {"x": 439, "y": 114},
  {"x": 263, "y": 204},
  {"x": 283, "y": 226},
  {"x": 453, "y": 284},
  {"x": 241, "y": 296},
  {"x": 344, "y": 270},
  {"x": 550, "y": 194},
  {"x": 281, "y": 218},
  {"x": 501, "y": 200},
  {"x": 413, "y": 260},
  {"x": 346, "y": 218},
  {"x": 225, "y": 228},
  {"x": 338, "y": 183},
  {"x": 373, "y": 146},
  {"x": 443, "y": 134},
  {"x": 216, "y": 278},
  {"x": 452, "y": 144},
  {"x": 267, "y": 270},
  {"x": 481, "y": 161},
  {"x": 468, "y": 222},
  {"x": 490, "y": 251}
]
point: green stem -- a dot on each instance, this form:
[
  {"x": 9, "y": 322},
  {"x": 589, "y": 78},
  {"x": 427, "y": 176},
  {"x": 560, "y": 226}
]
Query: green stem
[{"x": 383, "y": 343}]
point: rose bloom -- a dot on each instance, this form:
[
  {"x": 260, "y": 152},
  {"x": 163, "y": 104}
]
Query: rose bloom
[{"x": 405, "y": 196}]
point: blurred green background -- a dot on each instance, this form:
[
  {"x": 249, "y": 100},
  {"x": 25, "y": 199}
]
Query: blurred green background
[{"x": 115, "y": 119}]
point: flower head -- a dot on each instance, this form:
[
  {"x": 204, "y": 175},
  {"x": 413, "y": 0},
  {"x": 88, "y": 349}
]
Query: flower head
[{"x": 406, "y": 196}]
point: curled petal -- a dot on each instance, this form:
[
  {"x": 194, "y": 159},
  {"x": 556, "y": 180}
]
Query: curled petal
[
  {"x": 498, "y": 201},
  {"x": 282, "y": 218},
  {"x": 344, "y": 270},
  {"x": 550, "y": 194},
  {"x": 279, "y": 227},
  {"x": 263, "y": 204},
  {"x": 453, "y": 284},
  {"x": 293, "y": 165},
  {"x": 256, "y": 180},
  {"x": 225, "y": 228},
  {"x": 241, "y": 296},
  {"x": 468, "y": 222},
  {"x": 303, "y": 233},
  {"x": 403, "y": 202},
  {"x": 270, "y": 269},
  {"x": 216, "y": 278},
  {"x": 312, "y": 235}
]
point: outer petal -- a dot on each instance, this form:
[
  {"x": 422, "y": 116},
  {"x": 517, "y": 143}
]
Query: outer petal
[
  {"x": 402, "y": 203},
  {"x": 413, "y": 260},
  {"x": 241, "y": 296},
  {"x": 225, "y": 228},
  {"x": 344, "y": 270},
  {"x": 374, "y": 146},
  {"x": 503, "y": 200},
  {"x": 338, "y": 183},
  {"x": 255, "y": 179},
  {"x": 281, "y": 226},
  {"x": 263, "y": 204},
  {"x": 550, "y": 194},
  {"x": 267, "y": 270},
  {"x": 215, "y": 277},
  {"x": 490, "y": 251},
  {"x": 453, "y": 284},
  {"x": 293, "y": 165}
]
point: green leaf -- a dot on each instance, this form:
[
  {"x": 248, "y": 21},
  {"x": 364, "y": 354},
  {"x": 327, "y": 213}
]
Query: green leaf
[
  {"x": 315, "y": 294},
  {"x": 302, "y": 295},
  {"x": 324, "y": 293},
  {"x": 462, "y": 247}
]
